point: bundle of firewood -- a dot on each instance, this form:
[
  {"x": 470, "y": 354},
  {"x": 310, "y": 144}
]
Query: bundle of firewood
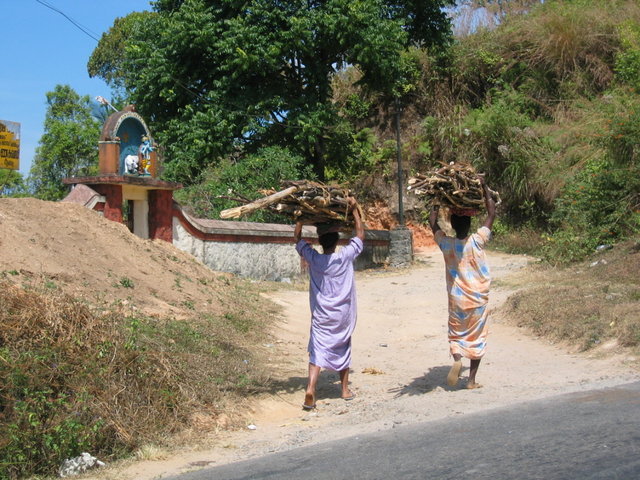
[
  {"x": 456, "y": 185},
  {"x": 302, "y": 200}
]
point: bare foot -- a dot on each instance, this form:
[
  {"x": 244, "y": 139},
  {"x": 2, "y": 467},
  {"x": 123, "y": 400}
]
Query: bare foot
[
  {"x": 309, "y": 402},
  {"x": 471, "y": 386},
  {"x": 454, "y": 373}
]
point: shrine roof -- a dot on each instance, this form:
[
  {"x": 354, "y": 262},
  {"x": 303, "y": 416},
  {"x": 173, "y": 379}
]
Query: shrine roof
[{"x": 136, "y": 180}]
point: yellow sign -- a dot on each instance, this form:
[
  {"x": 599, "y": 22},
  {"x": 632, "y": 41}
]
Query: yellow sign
[{"x": 9, "y": 145}]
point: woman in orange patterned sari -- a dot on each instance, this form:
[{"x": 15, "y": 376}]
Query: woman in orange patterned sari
[{"x": 468, "y": 282}]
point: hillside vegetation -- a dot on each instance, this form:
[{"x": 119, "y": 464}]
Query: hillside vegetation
[
  {"x": 110, "y": 342},
  {"x": 546, "y": 104},
  {"x": 569, "y": 159},
  {"x": 559, "y": 128}
]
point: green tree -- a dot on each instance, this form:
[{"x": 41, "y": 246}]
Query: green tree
[
  {"x": 11, "y": 183},
  {"x": 106, "y": 61},
  {"x": 69, "y": 145},
  {"x": 213, "y": 75}
]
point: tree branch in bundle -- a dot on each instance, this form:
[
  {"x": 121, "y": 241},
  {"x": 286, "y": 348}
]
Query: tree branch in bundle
[
  {"x": 302, "y": 201},
  {"x": 456, "y": 185}
]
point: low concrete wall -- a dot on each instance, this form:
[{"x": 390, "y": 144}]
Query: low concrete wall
[{"x": 262, "y": 251}]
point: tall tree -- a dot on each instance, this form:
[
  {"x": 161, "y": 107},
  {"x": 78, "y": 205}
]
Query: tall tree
[
  {"x": 106, "y": 61},
  {"x": 212, "y": 75},
  {"x": 69, "y": 145}
]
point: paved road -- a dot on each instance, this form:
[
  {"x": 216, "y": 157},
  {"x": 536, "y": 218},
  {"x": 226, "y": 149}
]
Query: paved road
[{"x": 587, "y": 435}]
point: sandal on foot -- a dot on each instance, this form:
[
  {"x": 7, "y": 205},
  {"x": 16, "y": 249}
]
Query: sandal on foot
[{"x": 309, "y": 402}]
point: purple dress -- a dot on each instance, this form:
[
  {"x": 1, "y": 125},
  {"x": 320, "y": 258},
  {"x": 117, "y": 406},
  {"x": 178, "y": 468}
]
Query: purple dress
[{"x": 332, "y": 297}]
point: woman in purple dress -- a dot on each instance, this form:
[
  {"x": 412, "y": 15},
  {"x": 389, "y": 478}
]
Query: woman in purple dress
[{"x": 332, "y": 297}]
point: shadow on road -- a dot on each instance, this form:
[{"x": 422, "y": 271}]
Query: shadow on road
[
  {"x": 328, "y": 385},
  {"x": 434, "y": 378}
]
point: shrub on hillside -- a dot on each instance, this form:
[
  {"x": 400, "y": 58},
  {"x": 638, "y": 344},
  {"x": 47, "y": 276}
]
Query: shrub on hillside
[
  {"x": 502, "y": 143},
  {"x": 600, "y": 203},
  {"x": 627, "y": 66},
  {"x": 568, "y": 48},
  {"x": 622, "y": 139}
]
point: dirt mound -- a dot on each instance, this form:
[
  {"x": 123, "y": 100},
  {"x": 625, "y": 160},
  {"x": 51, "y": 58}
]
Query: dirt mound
[
  {"x": 77, "y": 250},
  {"x": 379, "y": 217}
]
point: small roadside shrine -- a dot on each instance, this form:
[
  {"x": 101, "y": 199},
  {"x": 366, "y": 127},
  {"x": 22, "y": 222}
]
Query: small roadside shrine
[{"x": 126, "y": 189}]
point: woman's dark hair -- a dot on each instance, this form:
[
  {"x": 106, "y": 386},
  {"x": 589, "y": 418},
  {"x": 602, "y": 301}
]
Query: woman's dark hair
[
  {"x": 461, "y": 223},
  {"x": 328, "y": 240}
]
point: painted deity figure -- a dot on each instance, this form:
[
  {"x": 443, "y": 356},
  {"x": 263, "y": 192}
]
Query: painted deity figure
[{"x": 144, "y": 153}]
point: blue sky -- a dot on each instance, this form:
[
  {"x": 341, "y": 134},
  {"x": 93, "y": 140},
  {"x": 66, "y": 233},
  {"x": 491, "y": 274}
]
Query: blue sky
[{"x": 41, "y": 48}]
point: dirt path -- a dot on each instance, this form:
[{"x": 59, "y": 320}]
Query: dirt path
[{"x": 400, "y": 362}]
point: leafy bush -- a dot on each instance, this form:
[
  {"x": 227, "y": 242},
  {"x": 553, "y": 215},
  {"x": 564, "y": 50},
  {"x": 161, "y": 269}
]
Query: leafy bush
[
  {"x": 46, "y": 425},
  {"x": 593, "y": 209},
  {"x": 440, "y": 138},
  {"x": 362, "y": 157},
  {"x": 476, "y": 66},
  {"x": 627, "y": 66}
]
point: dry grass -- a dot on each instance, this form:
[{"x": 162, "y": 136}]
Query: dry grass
[
  {"x": 561, "y": 50},
  {"x": 519, "y": 241},
  {"x": 572, "y": 41},
  {"x": 584, "y": 305},
  {"x": 111, "y": 380}
]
